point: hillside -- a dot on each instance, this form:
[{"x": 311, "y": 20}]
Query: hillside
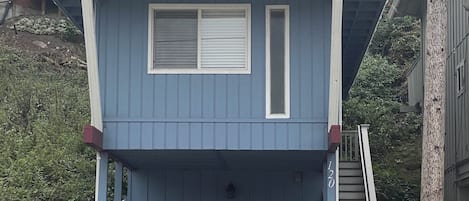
[{"x": 44, "y": 105}]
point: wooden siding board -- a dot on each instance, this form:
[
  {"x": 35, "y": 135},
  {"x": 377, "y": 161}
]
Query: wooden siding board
[
  {"x": 258, "y": 60},
  {"x": 159, "y": 139},
  {"x": 257, "y": 133},
  {"x": 220, "y": 136},
  {"x": 124, "y": 82},
  {"x": 208, "y": 183},
  {"x": 195, "y": 136},
  {"x": 171, "y": 133},
  {"x": 306, "y": 34},
  {"x": 245, "y": 101},
  {"x": 195, "y": 91},
  {"x": 294, "y": 137},
  {"x": 174, "y": 185},
  {"x": 245, "y": 136},
  {"x": 134, "y": 136},
  {"x": 135, "y": 72},
  {"x": 204, "y": 102},
  {"x": 147, "y": 136},
  {"x": 183, "y": 136},
  {"x": 232, "y": 95},
  {"x": 110, "y": 103},
  {"x": 281, "y": 136},
  {"x": 295, "y": 42},
  {"x": 208, "y": 96},
  {"x": 171, "y": 97},
  {"x": 233, "y": 136},
  {"x": 122, "y": 135},
  {"x": 192, "y": 189},
  {"x": 156, "y": 188},
  {"x": 208, "y": 135},
  {"x": 159, "y": 99},
  {"x": 269, "y": 136},
  {"x": 221, "y": 96},
  {"x": 183, "y": 97},
  {"x": 139, "y": 186}
]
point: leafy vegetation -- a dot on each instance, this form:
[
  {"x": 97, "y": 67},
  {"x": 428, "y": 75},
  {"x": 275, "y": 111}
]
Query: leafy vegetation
[
  {"x": 42, "y": 112},
  {"x": 375, "y": 98}
]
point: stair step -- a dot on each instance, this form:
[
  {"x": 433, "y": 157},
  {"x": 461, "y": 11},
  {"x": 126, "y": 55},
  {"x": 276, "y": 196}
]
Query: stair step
[
  {"x": 350, "y": 173},
  {"x": 351, "y": 188},
  {"x": 350, "y": 180},
  {"x": 349, "y": 165},
  {"x": 352, "y": 195}
]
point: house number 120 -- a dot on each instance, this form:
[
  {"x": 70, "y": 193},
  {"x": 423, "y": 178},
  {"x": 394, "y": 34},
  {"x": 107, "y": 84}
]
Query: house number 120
[{"x": 330, "y": 175}]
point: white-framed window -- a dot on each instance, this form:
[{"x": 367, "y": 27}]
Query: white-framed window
[
  {"x": 277, "y": 61},
  {"x": 460, "y": 78},
  {"x": 199, "y": 39}
]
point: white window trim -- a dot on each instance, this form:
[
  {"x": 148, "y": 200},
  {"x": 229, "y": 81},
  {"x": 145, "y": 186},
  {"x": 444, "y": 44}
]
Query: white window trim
[
  {"x": 199, "y": 7},
  {"x": 268, "y": 114},
  {"x": 460, "y": 68}
]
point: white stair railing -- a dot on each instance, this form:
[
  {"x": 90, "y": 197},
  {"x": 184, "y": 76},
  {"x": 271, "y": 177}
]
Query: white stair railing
[{"x": 367, "y": 167}]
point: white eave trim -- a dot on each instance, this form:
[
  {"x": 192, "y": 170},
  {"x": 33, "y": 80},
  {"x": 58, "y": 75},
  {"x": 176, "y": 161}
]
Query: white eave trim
[
  {"x": 335, "y": 80},
  {"x": 92, "y": 62}
]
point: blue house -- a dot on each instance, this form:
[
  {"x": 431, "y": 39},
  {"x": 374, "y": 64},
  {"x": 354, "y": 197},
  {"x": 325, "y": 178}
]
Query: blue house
[{"x": 220, "y": 99}]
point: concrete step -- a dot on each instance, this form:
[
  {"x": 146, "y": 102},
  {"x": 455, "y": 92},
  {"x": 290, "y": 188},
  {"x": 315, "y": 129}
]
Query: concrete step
[
  {"x": 350, "y": 172},
  {"x": 351, "y": 188},
  {"x": 352, "y": 196},
  {"x": 351, "y": 180},
  {"x": 349, "y": 165}
]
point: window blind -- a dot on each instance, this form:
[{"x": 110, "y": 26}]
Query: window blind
[
  {"x": 223, "y": 39},
  {"x": 175, "y": 39}
]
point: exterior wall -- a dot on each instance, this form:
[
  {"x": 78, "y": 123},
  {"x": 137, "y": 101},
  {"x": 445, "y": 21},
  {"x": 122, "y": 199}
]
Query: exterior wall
[
  {"x": 415, "y": 84},
  {"x": 143, "y": 111},
  {"x": 209, "y": 185},
  {"x": 457, "y": 120}
]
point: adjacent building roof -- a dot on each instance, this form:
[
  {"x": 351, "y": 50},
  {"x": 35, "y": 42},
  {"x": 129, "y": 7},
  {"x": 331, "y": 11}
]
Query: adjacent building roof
[{"x": 359, "y": 21}]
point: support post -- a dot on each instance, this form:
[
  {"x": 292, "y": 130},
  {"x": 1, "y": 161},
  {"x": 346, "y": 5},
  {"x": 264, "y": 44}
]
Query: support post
[
  {"x": 118, "y": 182},
  {"x": 129, "y": 185},
  {"x": 102, "y": 160}
]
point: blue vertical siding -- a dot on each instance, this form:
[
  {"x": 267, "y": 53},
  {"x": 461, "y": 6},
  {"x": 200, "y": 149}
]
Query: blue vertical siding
[
  {"x": 143, "y": 111},
  {"x": 209, "y": 185}
]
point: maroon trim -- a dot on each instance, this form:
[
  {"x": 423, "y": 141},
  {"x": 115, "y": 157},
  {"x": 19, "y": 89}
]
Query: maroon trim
[
  {"x": 93, "y": 137},
  {"x": 334, "y": 138}
]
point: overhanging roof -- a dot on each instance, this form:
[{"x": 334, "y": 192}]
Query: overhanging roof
[{"x": 359, "y": 21}]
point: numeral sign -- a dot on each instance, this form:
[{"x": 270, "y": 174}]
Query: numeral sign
[{"x": 330, "y": 175}]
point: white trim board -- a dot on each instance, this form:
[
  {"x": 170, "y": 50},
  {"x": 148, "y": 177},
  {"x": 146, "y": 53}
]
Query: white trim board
[
  {"x": 92, "y": 63},
  {"x": 268, "y": 114},
  {"x": 199, "y": 7},
  {"x": 335, "y": 79}
]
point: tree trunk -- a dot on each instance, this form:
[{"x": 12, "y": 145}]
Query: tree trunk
[{"x": 434, "y": 103}]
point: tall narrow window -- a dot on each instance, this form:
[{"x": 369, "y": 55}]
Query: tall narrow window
[
  {"x": 460, "y": 80},
  {"x": 277, "y": 62}
]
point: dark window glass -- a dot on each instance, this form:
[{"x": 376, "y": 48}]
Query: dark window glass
[{"x": 277, "y": 61}]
